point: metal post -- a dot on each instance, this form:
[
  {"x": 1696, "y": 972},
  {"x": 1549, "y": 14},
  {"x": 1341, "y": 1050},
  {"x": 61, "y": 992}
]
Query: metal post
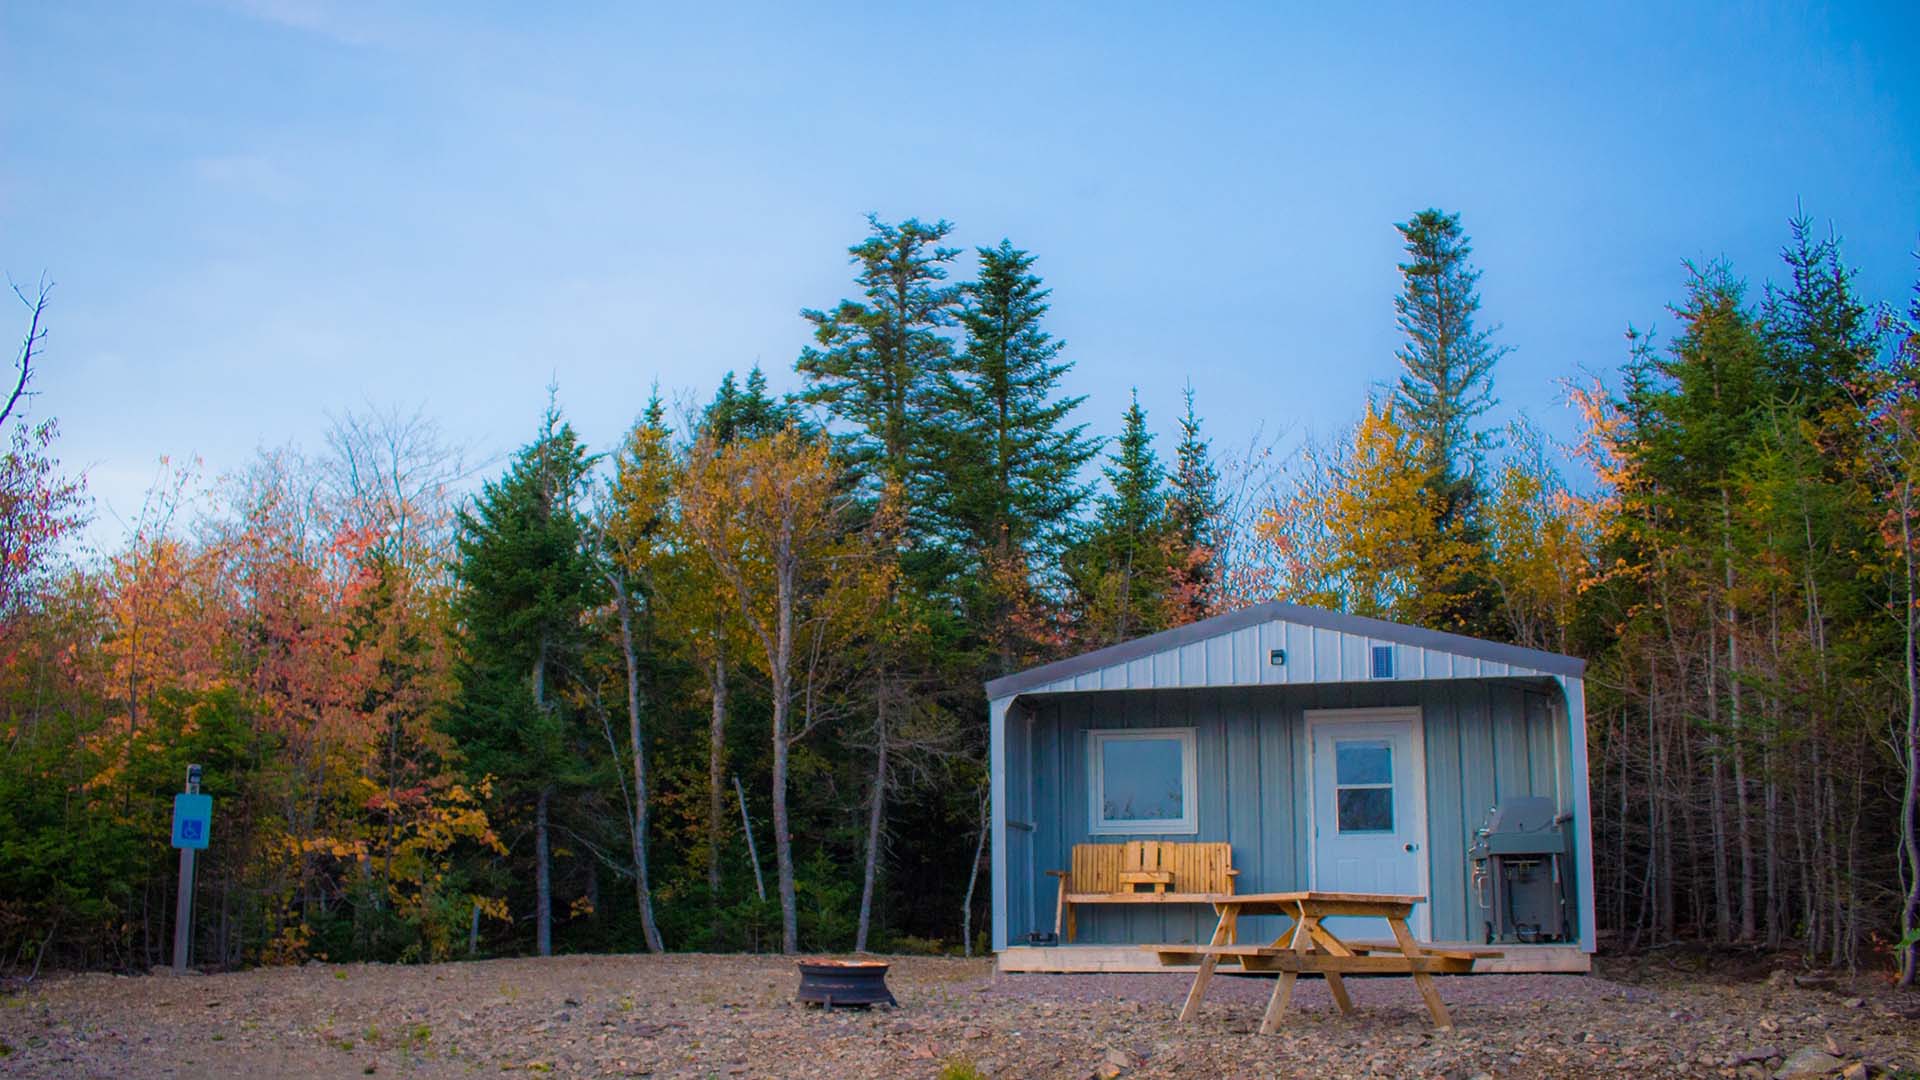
[{"x": 183, "y": 903}]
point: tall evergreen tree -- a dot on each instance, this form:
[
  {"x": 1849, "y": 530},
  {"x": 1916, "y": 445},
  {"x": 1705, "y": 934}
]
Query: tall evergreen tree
[
  {"x": 1193, "y": 509},
  {"x": 1446, "y": 384},
  {"x": 1121, "y": 567},
  {"x": 874, "y": 359},
  {"x": 526, "y": 577},
  {"x": 1003, "y": 462},
  {"x": 1447, "y": 381},
  {"x": 749, "y": 413}
]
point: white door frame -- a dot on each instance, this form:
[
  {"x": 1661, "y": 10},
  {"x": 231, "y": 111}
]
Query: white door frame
[{"x": 1422, "y": 924}]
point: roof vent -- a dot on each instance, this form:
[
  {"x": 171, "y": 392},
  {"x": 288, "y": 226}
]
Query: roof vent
[{"x": 1383, "y": 661}]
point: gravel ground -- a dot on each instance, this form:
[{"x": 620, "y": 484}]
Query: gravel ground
[{"x": 727, "y": 1016}]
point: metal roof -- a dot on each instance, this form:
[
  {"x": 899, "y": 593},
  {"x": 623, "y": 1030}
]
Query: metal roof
[{"x": 1316, "y": 646}]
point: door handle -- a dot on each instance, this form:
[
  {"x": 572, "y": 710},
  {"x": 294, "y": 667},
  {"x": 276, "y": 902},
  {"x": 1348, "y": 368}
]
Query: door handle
[{"x": 1413, "y": 847}]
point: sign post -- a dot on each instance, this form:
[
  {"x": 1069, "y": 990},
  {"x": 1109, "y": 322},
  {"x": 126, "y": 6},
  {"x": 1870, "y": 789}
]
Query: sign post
[{"x": 192, "y": 820}]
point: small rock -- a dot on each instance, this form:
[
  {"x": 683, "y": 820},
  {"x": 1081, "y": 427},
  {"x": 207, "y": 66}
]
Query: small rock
[
  {"x": 1779, "y": 979},
  {"x": 973, "y": 1033},
  {"x": 1751, "y": 1055},
  {"x": 1855, "y": 1071},
  {"x": 1769, "y": 1025},
  {"x": 1808, "y": 1061},
  {"x": 1854, "y": 1002}
]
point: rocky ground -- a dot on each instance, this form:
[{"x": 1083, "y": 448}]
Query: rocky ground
[{"x": 727, "y": 1016}]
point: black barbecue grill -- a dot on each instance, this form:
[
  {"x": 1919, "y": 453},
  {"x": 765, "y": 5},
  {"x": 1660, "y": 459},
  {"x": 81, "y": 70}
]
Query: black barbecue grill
[{"x": 1519, "y": 873}]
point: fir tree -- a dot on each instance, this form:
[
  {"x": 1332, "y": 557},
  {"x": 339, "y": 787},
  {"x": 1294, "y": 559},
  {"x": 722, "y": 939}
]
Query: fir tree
[
  {"x": 1193, "y": 507},
  {"x": 876, "y": 358},
  {"x": 751, "y": 413},
  {"x": 1446, "y": 384},
  {"x": 1120, "y": 569},
  {"x": 526, "y": 577},
  {"x": 1004, "y": 460}
]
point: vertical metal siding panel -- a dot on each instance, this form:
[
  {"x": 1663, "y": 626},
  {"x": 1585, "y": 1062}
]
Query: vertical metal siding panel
[
  {"x": 1326, "y": 655},
  {"x": 1247, "y": 661},
  {"x": 1051, "y": 843},
  {"x": 1020, "y": 808},
  {"x": 1510, "y": 742},
  {"x": 1263, "y": 639},
  {"x": 1439, "y": 665},
  {"x": 1193, "y": 665},
  {"x": 1478, "y": 789},
  {"x": 1244, "y": 787},
  {"x": 1164, "y": 667},
  {"x": 1299, "y": 646},
  {"x": 1465, "y": 667},
  {"x": 1493, "y": 669},
  {"x": 1353, "y": 658},
  {"x": 1538, "y": 720},
  {"x": 1075, "y": 718},
  {"x": 1220, "y": 669},
  {"x": 1447, "y": 830},
  {"x": 1138, "y": 674},
  {"x": 1207, "y": 712}
]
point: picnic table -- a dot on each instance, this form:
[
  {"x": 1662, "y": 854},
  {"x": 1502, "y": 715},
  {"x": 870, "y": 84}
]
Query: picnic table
[{"x": 1308, "y": 947}]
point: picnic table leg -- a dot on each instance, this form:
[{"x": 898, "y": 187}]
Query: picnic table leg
[
  {"x": 1422, "y": 981},
  {"x": 1338, "y": 989},
  {"x": 1224, "y": 930},
  {"x": 1199, "y": 990},
  {"x": 1277, "y": 1004}
]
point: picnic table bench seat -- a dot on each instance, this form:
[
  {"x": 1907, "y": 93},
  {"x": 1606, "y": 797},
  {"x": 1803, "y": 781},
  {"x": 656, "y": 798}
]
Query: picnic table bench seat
[{"x": 1173, "y": 872}]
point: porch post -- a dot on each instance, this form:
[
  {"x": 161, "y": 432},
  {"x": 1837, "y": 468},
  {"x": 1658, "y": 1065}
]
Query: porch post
[
  {"x": 1575, "y": 691},
  {"x": 997, "y": 788}
]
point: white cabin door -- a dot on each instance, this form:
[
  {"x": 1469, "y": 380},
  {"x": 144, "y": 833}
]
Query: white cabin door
[{"x": 1369, "y": 811}]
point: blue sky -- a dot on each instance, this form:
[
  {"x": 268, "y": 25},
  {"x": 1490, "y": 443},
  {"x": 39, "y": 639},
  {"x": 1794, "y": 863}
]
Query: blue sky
[{"x": 262, "y": 212}]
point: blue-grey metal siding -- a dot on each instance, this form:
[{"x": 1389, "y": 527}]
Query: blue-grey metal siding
[{"x": 1484, "y": 740}]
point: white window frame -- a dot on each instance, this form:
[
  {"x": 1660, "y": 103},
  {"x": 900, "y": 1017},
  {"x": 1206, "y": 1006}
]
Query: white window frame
[{"x": 1189, "y": 820}]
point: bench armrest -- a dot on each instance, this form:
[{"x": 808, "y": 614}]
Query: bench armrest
[
  {"x": 1231, "y": 872},
  {"x": 1057, "y": 873}
]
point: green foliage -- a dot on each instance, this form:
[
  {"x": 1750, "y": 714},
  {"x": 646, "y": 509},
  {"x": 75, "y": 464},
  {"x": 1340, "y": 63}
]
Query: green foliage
[{"x": 874, "y": 359}]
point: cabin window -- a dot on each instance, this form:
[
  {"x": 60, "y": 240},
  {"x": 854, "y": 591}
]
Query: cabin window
[
  {"x": 1142, "y": 781},
  {"x": 1363, "y": 778}
]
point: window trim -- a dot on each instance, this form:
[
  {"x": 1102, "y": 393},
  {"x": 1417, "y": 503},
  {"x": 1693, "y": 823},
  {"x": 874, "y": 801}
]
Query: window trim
[{"x": 1189, "y": 821}]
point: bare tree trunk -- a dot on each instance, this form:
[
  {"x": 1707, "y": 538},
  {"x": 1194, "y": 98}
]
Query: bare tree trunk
[
  {"x": 542, "y": 879},
  {"x": 542, "y": 850},
  {"x": 876, "y": 816},
  {"x": 642, "y": 886},
  {"x": 973, "y": 878},
  {"x": 1743, "y": 830},
  {"x": 716, "y": 776},
  {"x": 782, "y": 679},
  {"x": 1910, "y": 760}
]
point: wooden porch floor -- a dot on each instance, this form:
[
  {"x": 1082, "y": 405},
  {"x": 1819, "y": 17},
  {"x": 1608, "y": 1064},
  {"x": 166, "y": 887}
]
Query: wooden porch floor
[{"x": 1056, "y": 959}]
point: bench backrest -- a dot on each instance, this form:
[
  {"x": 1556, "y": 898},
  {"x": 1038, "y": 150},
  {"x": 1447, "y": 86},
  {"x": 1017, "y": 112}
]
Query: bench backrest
[{"x": 1196, "y": 867}]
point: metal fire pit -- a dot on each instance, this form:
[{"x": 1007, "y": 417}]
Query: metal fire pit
[{"x": 828, "y": 983}]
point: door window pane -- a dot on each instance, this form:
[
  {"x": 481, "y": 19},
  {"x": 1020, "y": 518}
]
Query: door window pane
[
  {"x": 1358, "y": 762},
  {"x": 1363, "y": 784},
  {"x": 1366, "y": 809}
]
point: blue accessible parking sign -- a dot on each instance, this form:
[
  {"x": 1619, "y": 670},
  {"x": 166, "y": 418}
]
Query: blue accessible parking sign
[{"x": 192, "y": 820}]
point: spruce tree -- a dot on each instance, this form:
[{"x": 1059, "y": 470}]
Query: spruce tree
[
  {"x": 874, "y": 359},
  {"x": 525, "y": 579},
  {"x": 1447, "y": 383},
  {"x": 1120, "y": 568},
  {"x": 1193, "y": 507},
  {"x": 1003, "y": 462},
  {"x": 751, "y": 413},
  {"x": 1445, "y": 386}
]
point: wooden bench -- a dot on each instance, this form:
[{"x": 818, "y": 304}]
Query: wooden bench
[{"x": 1173, "y": 872}]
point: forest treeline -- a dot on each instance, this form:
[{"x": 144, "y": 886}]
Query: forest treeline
[{"x": 719, "y": 686}]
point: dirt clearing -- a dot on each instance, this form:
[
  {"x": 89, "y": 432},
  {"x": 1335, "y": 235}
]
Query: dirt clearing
[{"x": 728, "y": 1016}]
